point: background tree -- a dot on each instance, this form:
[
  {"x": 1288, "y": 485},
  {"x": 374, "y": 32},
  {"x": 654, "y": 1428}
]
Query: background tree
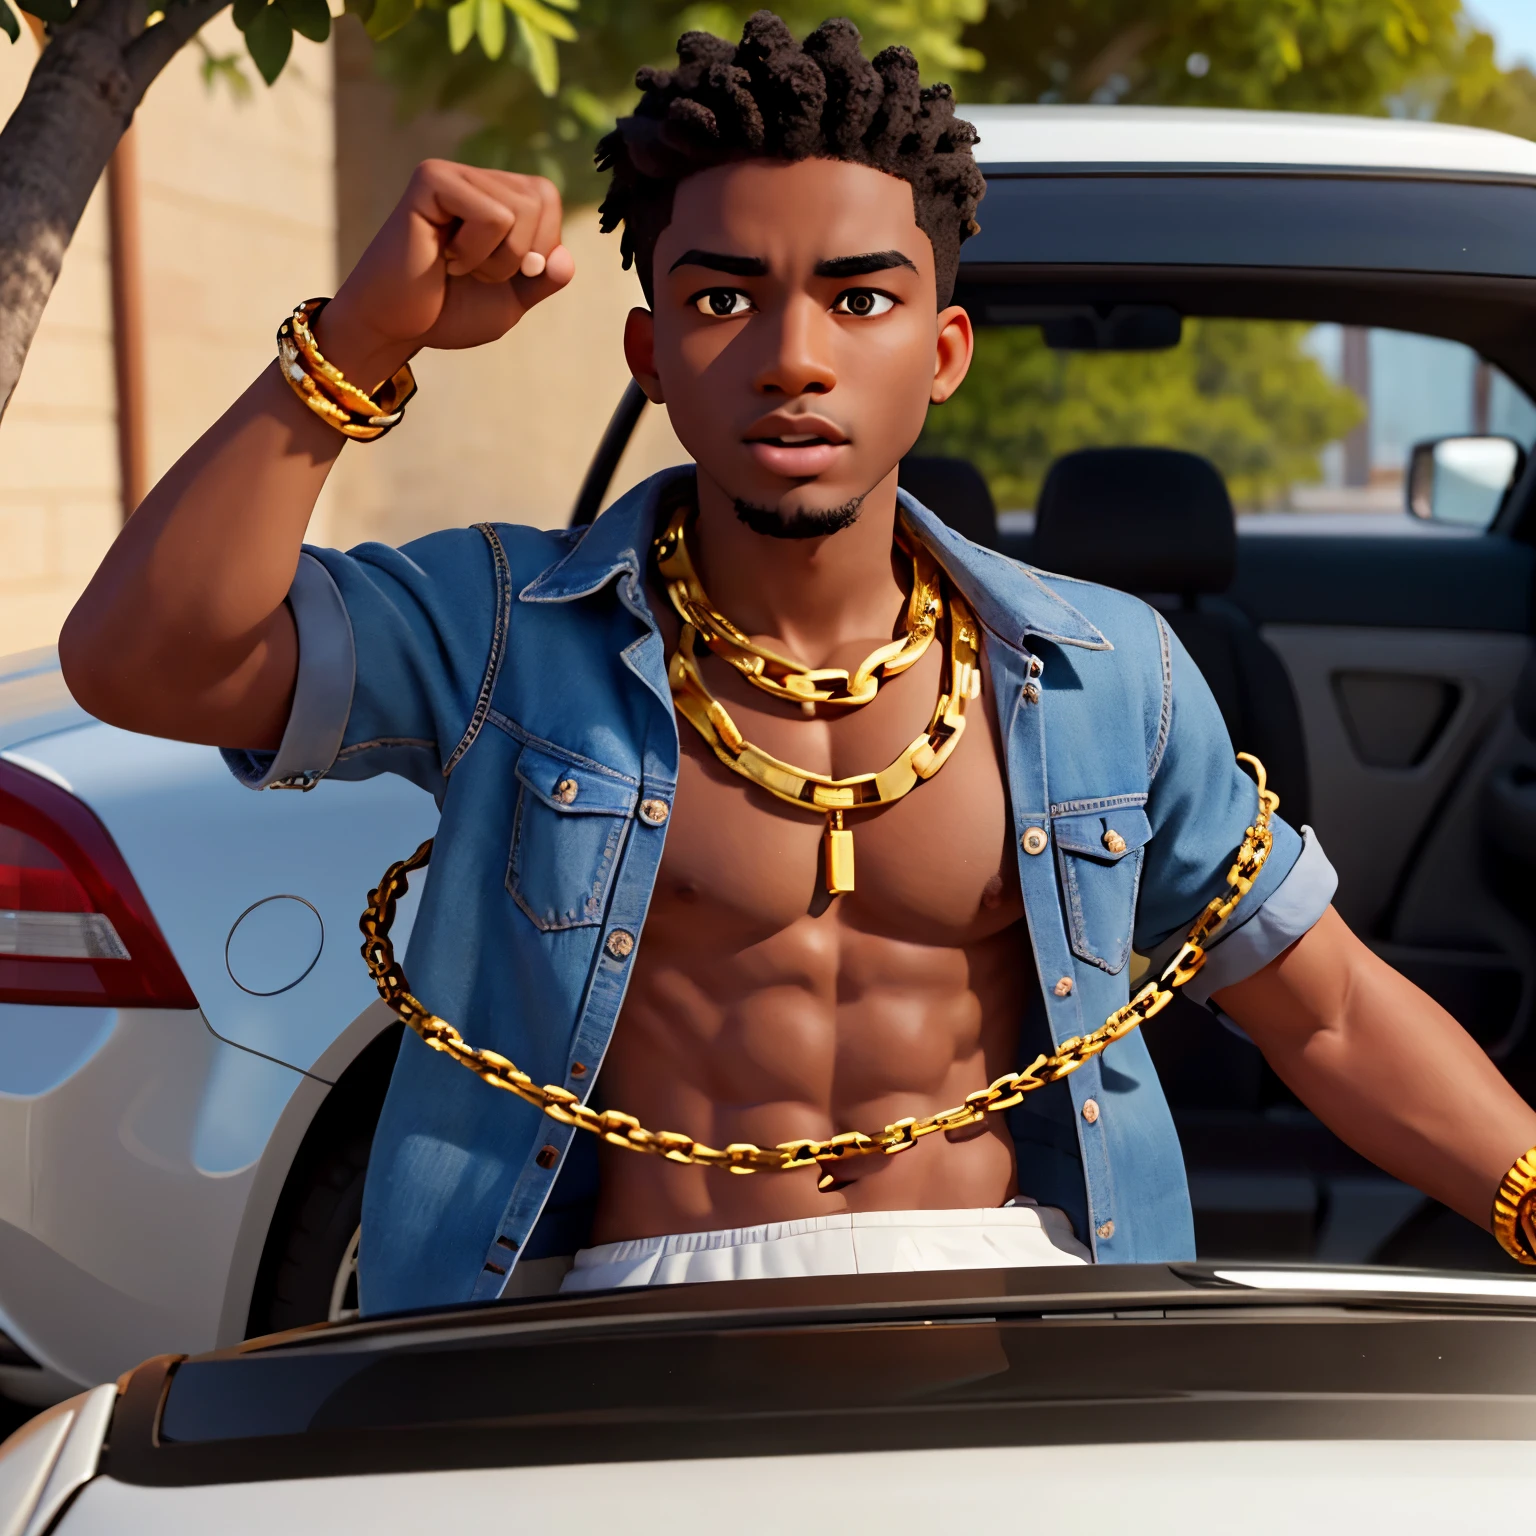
[{"x": 99, "y": 58}]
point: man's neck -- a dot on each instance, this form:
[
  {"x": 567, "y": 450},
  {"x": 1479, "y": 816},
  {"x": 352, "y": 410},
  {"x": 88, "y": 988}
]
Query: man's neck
[{"x": 811, "y": 595}]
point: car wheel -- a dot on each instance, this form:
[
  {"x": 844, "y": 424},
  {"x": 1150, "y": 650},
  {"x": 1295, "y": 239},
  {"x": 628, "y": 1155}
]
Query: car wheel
[{"x": 308, "y": 1271}]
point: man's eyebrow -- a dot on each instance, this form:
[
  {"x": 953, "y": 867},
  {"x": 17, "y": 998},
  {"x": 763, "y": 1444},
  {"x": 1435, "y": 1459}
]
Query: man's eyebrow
[
  {"x": 718, "y": 261},
  {"x": 862, "y": 266}
]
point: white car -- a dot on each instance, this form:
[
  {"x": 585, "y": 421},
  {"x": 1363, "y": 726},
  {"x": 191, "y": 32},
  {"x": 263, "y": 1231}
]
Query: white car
[
  {"x": 1180, "y": 1400},
  {"x": 183, "y": 1133}
]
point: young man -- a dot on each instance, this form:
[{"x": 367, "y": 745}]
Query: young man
[{"x": 650, "y": 874}]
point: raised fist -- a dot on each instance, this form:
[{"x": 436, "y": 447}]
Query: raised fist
[{"x": 465, "y": 254}]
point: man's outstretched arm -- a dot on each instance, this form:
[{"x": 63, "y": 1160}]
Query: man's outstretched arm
[
  {"x": 184, "y": 631},
  {"x": 1386, "y": 1068}
]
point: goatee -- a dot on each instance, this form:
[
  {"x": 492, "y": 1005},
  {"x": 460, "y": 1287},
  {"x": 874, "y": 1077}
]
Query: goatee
[{"x": 805, "y": 523}]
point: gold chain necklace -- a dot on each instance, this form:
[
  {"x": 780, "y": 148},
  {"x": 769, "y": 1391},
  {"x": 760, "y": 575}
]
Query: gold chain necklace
[
  {"x": 621, "y": 1130},
  {"x": 816, "y": 792},
  {"x": 781, "y": 675}
]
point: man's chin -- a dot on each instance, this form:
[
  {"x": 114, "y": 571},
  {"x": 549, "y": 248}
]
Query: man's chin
[{"x": 798, "y": 518}]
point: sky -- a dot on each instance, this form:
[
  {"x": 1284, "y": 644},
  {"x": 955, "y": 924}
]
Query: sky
[{"x": 1513, "y": 24}]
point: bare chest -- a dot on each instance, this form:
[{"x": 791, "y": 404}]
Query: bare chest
[{"x": 935, "y": 867}]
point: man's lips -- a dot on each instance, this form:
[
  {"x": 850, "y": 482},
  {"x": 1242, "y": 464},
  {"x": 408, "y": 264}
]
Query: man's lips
[{"x": 796, "y": 449}]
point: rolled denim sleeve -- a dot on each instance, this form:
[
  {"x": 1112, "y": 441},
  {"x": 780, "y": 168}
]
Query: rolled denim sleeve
[
  {"x": 1200, "y": 805},
  {"x": 397, "y": 651},
  {"x": 322, "y": 695}
]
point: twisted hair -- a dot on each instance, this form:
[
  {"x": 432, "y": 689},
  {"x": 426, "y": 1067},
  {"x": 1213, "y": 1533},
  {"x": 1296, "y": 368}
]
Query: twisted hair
[{"x": 769, "y": 97}]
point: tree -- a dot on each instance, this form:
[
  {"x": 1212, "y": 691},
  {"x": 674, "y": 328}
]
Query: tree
[{"x": 99, "y": 59}]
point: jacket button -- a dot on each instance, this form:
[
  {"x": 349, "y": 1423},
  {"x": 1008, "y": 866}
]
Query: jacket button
[
  {"x": 1036, "y": 666},
  {"x": 621, "y": 944},
  {"x": 566, "y": 791},
  {"x": 1114, "y": 842},
  {"x": 1031, "y": 693},
  {"x": 1090, "y": 1110},
  {"x": 1063, "y": 988},
  {"x": 1106, "y": 1230},
  {"x": 654, "y": 812},
  {"x": 1035, "y": 840},
  {"x": 578, "y": 1069},
  {"x": 549, "y": 1156}
]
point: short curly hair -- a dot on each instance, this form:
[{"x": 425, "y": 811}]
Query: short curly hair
[{"x": 770, "y": 97}]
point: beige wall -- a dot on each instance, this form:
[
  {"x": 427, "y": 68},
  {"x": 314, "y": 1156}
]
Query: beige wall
[
  {"x": 238, "y": 220},
  {"x": 58, "y": 444},
  {"x": 246, "y": 208}
]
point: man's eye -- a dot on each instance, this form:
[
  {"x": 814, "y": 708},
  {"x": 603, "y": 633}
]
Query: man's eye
[
  {"x": 722, "y": 302},
  {"x": 863, "y": 302}
]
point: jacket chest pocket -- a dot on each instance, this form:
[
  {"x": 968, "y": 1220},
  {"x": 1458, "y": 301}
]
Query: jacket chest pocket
[
  {"x": 1099, "y": 852},
  {"x": 567, "y": 835}
]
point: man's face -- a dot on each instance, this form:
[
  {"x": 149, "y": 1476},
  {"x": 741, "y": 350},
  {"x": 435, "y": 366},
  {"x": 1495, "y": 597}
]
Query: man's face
[{"x": 794, "y": 337}]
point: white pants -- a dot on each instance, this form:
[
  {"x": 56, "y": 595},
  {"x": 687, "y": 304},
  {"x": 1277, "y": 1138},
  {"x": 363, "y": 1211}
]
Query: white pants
[{"x": 1019, "y": 1235}]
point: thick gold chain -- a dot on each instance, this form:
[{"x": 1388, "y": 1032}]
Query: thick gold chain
[
  {"x": 783, "y": 676},
  {"x": 621, "y": 1130}
]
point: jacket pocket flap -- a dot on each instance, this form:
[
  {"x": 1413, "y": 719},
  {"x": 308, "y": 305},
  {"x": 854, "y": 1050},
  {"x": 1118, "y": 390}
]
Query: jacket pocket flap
[
  {"x": 1106, "y": 835},
  {"x": 574, "y": 788}
]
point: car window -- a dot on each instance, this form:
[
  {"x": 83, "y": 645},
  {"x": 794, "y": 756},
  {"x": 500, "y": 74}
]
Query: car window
[{"x": 1311, "y": 425}]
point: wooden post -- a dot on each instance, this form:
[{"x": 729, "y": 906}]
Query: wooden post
[{"x": 128, "y": 322}]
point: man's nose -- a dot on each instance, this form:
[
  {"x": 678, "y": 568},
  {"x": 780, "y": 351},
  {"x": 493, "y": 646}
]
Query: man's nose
[{"x": 799, "y": 361}]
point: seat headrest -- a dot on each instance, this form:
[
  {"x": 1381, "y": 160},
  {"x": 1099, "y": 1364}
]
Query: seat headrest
[
  {"x": 954, "y": 491},
  {"x": 1140, "y": 519}
]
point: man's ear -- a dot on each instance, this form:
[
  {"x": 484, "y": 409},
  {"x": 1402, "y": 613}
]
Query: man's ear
[
  {"x": 952, "y": 356},
  {"x": 640, "y": 352}
]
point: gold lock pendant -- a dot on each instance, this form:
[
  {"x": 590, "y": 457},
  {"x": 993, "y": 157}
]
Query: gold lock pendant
[{"x": 837, "y": 847}]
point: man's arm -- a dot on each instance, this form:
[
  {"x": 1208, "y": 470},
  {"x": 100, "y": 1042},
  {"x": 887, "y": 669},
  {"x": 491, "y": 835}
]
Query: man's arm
[
  {"x": 184, "y": 631},
  {"x": 1387, "y": 1069}
]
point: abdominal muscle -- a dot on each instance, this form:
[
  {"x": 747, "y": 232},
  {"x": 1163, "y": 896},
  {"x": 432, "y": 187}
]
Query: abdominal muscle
[{"x": 822, "y": 1027}]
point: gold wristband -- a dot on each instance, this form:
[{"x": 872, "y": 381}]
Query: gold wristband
[
  {"x": 322, "y": 386},
  {"x": 1512, "y": 1215}
]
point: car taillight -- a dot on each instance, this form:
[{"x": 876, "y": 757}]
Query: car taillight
[{"x": 74, "y": 927}]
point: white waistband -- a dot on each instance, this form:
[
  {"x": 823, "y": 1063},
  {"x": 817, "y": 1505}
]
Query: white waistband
[{"x": 849, "y": 1243}]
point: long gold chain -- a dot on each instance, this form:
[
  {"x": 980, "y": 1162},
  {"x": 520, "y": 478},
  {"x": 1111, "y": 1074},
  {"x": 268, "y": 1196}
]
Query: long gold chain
[
  {"x": 783, "y": 676},
  {"x": 621, "y": 1130}
]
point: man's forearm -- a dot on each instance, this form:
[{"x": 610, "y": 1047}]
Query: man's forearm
[{"x": 1386, "y": 1068}]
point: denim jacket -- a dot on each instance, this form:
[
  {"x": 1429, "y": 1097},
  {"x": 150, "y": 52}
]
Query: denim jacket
[{"x": 493, "y": 664}]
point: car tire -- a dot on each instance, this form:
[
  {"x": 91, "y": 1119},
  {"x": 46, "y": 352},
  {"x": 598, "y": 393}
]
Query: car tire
[{"x": 308, "y": 1271}]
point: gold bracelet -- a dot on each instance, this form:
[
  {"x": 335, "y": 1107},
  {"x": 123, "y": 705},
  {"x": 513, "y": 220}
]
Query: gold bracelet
[
  {"x": 1512, "y": 1208},
  {"x": 323, "y": 387}
]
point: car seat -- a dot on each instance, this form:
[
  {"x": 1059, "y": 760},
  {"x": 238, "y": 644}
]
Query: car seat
[
  {"x": 1158, "y": 522},
  {"x": 952, "y": 489}
]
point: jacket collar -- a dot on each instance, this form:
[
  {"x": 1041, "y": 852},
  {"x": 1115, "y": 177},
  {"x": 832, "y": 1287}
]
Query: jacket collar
[{"x": 1010, "y": 599}]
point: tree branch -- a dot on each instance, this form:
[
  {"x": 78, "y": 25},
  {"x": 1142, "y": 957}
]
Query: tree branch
[{"x": 79, "y": 100}]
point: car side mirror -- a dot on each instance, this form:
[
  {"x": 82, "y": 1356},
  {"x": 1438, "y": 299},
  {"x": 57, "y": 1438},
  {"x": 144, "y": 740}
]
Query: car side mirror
[{"x": 1462, "y": 480}]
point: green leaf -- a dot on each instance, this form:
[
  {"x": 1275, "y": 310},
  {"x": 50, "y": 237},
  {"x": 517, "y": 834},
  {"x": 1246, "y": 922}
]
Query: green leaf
[
  {"x": 564, "y": 5},
  {"x": 461, "y": 25},
  {"x": 51, "y": 11},
  {"x": 270, "y": 39},
  {"x": 8, "y": 23},
  {"x": 551, "y": 23},
  {"x": 243, "y": 12},
  {"x": 310, "y": 18},
  {"x": 491, "y": 27},
  {"x": 389, "y": 16},
  {"x": 543, "y": 61}
]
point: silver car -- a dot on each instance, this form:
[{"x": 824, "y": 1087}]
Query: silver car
[{"x": 190, "y": 1062}]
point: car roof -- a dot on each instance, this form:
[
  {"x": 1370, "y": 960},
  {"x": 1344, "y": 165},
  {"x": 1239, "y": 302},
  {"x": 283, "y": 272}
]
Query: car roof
[{"x": 1020, "y": 135}]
